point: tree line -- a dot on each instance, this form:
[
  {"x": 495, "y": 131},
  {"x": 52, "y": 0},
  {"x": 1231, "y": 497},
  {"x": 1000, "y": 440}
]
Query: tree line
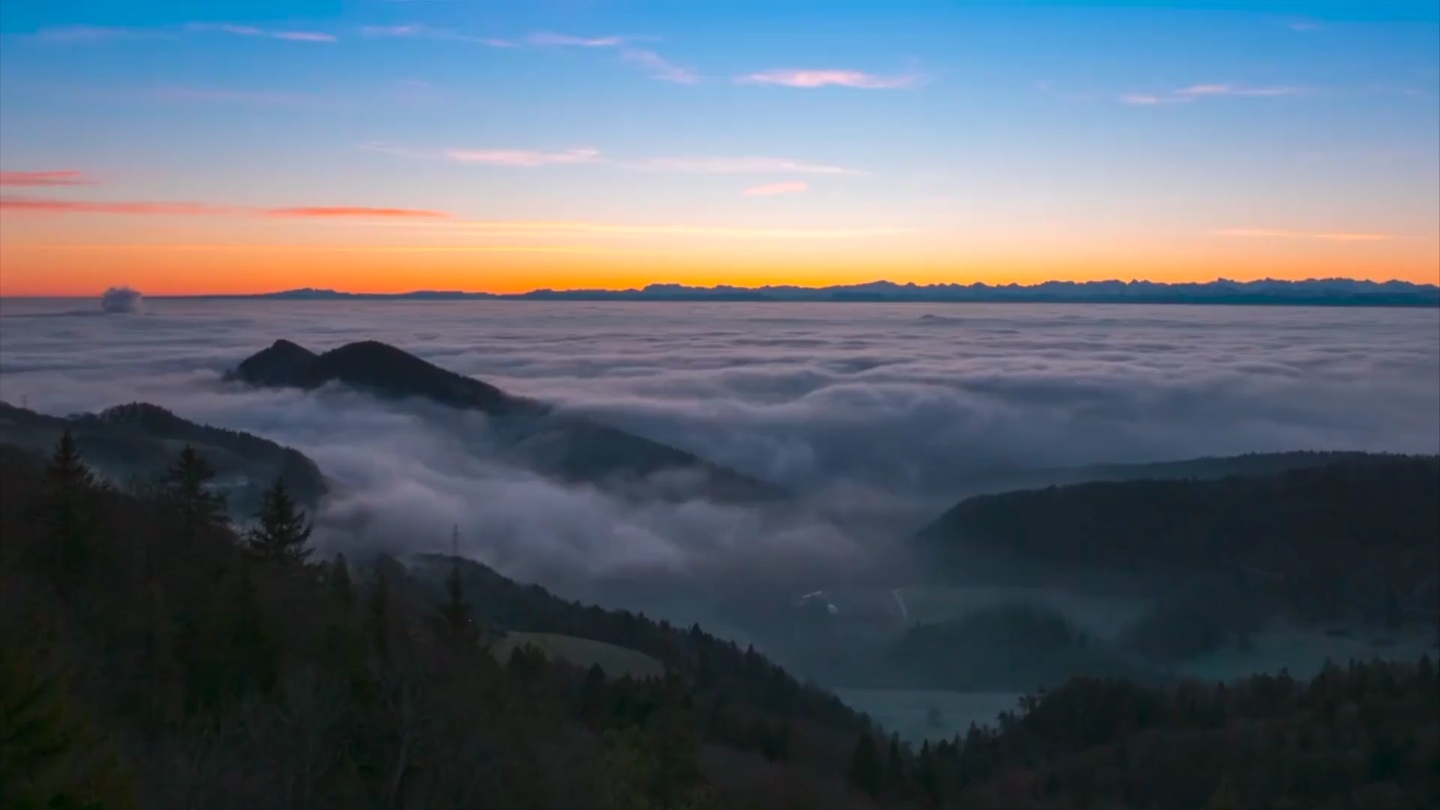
[{"x": 155, "y": 656}]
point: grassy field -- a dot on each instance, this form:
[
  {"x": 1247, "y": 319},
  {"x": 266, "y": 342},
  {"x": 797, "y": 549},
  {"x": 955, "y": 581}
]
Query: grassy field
[
  {"x": 920, "y": 714},
  {"x": 584, "y": 652}
]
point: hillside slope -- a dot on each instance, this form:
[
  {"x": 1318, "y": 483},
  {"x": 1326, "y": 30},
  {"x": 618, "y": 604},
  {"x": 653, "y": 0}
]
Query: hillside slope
[
  {"x": 1357, "y": 534},
  {"x": 140, "y": 439}
]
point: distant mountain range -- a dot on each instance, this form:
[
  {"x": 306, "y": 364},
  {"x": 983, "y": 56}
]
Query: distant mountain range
[
  {"x": 1311, "y": 292},
  {"x": 140, "y": 440},
  {"x": 566, "y": 446}
]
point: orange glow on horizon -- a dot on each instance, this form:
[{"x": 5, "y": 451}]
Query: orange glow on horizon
[{"x": 42, "y": 270}]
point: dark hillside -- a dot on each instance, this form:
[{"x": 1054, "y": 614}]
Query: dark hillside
[
  {"x": 176, "y": 669},
  {"x": 1355, "y": 535},
  {"x": 139, "y": 439}
]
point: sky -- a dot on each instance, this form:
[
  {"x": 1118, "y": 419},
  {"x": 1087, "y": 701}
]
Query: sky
[{"x": 499, "y": 145}]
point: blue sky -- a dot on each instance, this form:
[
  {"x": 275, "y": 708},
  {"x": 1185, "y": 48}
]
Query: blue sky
[{"x": 1003, "y": 140}]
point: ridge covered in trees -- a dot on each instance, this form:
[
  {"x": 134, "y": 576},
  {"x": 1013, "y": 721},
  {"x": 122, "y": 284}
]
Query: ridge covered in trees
[
  {"x": 153, "y": 657},
  {"x": 138, "y": 440},
  {"x": 1355, "y": 535}
]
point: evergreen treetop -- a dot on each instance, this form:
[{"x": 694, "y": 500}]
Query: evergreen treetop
[{"x": 284, "y": 528}]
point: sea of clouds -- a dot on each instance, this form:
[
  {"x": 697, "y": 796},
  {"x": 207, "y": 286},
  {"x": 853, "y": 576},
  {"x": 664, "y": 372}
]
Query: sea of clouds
[{"x": 881, "y": 415}]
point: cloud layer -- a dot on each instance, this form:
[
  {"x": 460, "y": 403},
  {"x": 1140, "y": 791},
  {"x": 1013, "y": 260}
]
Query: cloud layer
[{"x": 881, "y": 416}]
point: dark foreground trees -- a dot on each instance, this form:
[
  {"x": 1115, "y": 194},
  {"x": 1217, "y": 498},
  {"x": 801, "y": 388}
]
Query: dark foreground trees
[
  {"x": 201, "y": 668},
  {"x": 184, "y": 674}
]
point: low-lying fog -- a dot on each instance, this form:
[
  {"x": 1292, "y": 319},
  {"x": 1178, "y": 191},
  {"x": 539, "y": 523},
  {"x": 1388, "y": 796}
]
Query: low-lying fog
[{"x": 879, "y": 415}]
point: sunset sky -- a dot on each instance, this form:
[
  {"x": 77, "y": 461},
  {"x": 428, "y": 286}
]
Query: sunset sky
[{"x": 388, "y": 145}]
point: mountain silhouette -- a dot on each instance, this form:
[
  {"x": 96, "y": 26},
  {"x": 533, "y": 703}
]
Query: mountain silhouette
[
  {"x": 567, "y": 446},
  {"x": 1276, "y": 292}
]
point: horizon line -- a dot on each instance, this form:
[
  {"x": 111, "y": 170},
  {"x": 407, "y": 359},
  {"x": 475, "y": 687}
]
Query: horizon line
[{"x": 661, "y": 289}]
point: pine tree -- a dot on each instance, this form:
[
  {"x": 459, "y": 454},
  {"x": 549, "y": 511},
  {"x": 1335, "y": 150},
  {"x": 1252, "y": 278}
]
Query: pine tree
[
  {"x": 926, "y": 774},
  {"x": 339, "y": 580},
  {"x": 283, "y": 531},
  {"x": 455, "y": 614},
  {"x": 69, "y": 513},
  {"x": 866, "y": 770},
  {"x": 704, "y": 669},
  {"x": 895, "y": 764},
  {"x": 377, "y": 617},
  {"x": 185, "y": 487}
]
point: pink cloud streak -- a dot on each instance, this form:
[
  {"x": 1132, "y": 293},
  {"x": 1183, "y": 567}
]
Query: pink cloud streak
[
  {"x": 822, "y": 78},
  {"x": 524, "y": 158},
  {"x": 68, "y": 177},
  {"x": 42, "y": 205},
  {"x": 775, "y": 188}
]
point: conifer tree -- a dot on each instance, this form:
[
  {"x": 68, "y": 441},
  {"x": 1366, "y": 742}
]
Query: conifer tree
[
  {"x": 866, "y": 770},
  {"x": 926, "y": 775},
  {"x": 185, "y": 487},
  {"x": 68, "y": 511},
  {"x": 283, "y": 531},
  {"x": 455, "y": 616},
  {"x": 377, "y": 616},
  {"x": 895, "y": 764},
  {"x": 339, "y": 580}
]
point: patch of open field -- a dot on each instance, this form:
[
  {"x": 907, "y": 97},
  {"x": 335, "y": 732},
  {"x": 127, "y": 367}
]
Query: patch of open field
[
  {"x": 583, "y": 652},
  {"x": 921, "y": 714}
]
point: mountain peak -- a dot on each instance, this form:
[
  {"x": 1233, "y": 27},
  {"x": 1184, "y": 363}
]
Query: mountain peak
[
  {"x": 280, "y": 364},
  {"x": 374, "y": 366}
]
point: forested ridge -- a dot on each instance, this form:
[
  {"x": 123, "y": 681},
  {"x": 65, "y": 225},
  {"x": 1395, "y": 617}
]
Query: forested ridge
[
  {"x": 154, "y": 656},
  {"x": 1346, "y": 536}
]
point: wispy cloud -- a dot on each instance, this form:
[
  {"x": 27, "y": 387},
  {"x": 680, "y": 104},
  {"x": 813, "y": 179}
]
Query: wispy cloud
[
  {"x": 413, "y": 30},
  {"x": 1146, "y": 99},
  {"x": 1303, "y": 25},
  {"x": 253, "y": 31},
  {"x": 204, "y": 94},
  {"x": 526, "y": 158},
  {"x": 1199, "y": 91},
  {"x": 44, "y": 205},
  {"x": 66, "y": 177},
  {"x": 303, "y": 36},
  {"x": 418, "y": 31},
  {"x": 75, "y": 34},
  {"x": 344, "y": 212},
  {"x": 605, "y": 229},
  {"x": 531, "y": 158},
  {"x": 736, "y": 165},
  {"x": 565, "y": 40},
  {"x": 1331, "y": 236},
  {"x": 309, "y": 247},
  {"x": 775, "y": 188},
  {"x": 72, "y": 34},
  {"x": 659, "y": 67},
  {"x": 823, "y": 78}
]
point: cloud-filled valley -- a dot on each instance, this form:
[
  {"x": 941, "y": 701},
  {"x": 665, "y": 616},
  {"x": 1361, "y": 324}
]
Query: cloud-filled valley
[{"x": 879, "y": 416}]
